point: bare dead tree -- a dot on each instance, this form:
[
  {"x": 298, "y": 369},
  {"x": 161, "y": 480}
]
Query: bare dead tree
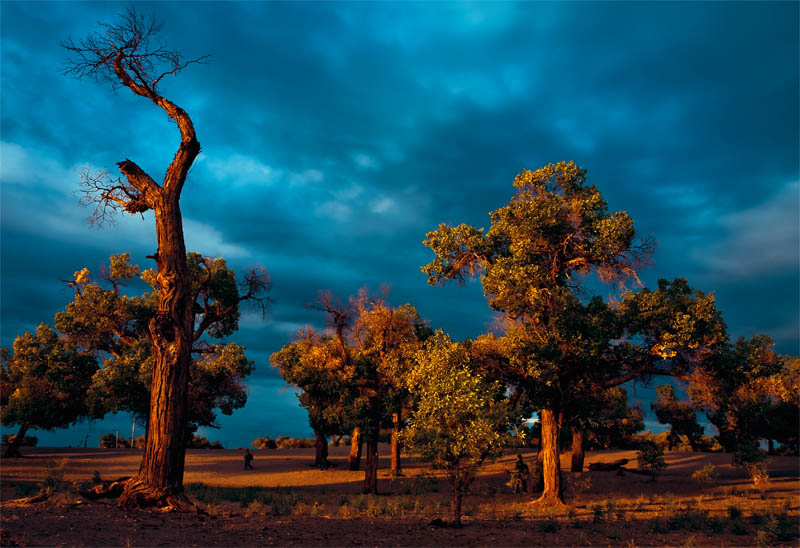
[{"x": 130, "y": 54}]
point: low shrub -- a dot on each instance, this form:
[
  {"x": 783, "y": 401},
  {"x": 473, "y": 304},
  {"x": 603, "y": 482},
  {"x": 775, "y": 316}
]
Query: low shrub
[{"x": 706, "y": 476}]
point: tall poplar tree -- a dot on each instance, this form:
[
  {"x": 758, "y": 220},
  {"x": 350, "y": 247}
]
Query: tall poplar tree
[
  {"x": 130, "y": 54},
  {"x": 533, "y": 263}
]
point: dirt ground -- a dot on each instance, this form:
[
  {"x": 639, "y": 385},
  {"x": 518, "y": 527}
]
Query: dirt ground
[{"x": 285, "y": 501}]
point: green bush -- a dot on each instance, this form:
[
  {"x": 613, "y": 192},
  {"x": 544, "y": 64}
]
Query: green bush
[
  {"x": 651, "y": 456},
  {"x": 706, "y": 476}
]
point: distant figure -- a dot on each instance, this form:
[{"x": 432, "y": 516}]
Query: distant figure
[
  {"x": 521, "y": 473},
  {"x": 248, "y": 458}
]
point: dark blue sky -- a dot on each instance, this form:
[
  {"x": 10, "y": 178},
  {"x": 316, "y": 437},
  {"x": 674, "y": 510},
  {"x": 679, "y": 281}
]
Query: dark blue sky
[{"x": 335, "y": 135}]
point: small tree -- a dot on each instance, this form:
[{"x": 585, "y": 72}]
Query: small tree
[
  {"x": 681, "y": 417},
  {"x": 460, "y": 418},
  {"x": 651, "y": 455},
  {"x": 43, "y": 384}
]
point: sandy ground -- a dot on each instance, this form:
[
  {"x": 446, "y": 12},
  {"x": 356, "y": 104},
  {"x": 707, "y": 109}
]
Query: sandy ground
[{"x": 285, "y": 501}]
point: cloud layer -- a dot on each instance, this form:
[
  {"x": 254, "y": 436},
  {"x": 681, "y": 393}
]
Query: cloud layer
[{"x": 336, "y": 135}]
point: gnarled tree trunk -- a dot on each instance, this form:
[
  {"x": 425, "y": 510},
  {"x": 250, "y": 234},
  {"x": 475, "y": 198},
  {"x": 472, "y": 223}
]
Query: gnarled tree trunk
[
  {"x": 160, "y": 478},
  {"x": 355, "y": 449},
  {"x": 396, "y": 468},
  {"x": 578, "y": 453},
  {"x": 551, "y": 465},
  {"x": 12, "y": 451}
]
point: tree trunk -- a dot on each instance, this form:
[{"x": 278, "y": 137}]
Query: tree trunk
[
  {"x": 457, "y": 497},
  {"x": 578, "y": 453},
  {"x": 321, "y": 450},
  {"x": 551, "y": 465},
  {"x": 770, "y": 447},
  {"x": 396, "y": 466},
  {"x": 356, "y": 443},
  {"x": 12, "y": 451},
  {"x": 371, "y": 471},
  {"x": 538, "y": 487},
  {"x": 160, "y": 478}
]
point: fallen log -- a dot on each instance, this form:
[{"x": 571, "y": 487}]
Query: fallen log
[{"x": 607, "y": 466}]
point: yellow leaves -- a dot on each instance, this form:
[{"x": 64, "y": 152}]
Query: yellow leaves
[
  {"x": 82, "y": 276},
  {"x": 663, "y": 350}
]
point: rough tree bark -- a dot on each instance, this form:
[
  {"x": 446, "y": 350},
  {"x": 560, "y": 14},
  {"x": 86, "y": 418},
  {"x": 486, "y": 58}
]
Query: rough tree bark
[
  {"x": 396, "y": 468},
  {"x": 356, "y": 444},
  {"x": 578, "y": 452},
  {"x": 551, "y": 465},
  {"x": 12, "y": 451}
]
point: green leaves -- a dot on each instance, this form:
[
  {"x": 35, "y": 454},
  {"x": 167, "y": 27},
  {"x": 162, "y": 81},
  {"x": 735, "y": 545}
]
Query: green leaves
[
  {"x": 44, "y": 381},
  {"x": 461, "y": 417},
  {"x": 104, "y": 321}
]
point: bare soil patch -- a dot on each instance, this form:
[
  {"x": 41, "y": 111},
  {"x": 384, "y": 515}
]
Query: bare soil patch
[{"x": 285, "y": 501}]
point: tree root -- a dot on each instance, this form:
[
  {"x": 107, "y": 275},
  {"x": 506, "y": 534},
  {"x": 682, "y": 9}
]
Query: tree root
[
  {"x": 548, "y": 501},
  {"x": 139, "y": 494},
  {"x": 41, "y": 497},
  {"x": 110, "y": 490}
]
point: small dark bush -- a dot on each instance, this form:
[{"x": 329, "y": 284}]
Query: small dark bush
[{"x": 734, "y": 512}]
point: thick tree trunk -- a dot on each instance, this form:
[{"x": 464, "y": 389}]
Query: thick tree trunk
[
  {"x": 321, "y": 450},
  {"x": 578, "y": 453},
  {"x": 356, "y": 443},
  {"x": 371, "y": 471},
  {"x": 160, "y": 478},
  {"x": 396, "y": 445},
  {"x": 538, "y": 487},
  {"x": 12, "y": 451},
  {"x": 551, "y": 465},
  {"x": 770, "y": 447}
]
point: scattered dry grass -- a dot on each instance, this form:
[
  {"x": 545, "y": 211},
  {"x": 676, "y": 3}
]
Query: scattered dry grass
[{"x": 286, "y": 501}]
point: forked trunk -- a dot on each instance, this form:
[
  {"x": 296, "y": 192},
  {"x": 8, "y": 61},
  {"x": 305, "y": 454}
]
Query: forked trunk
[
  {"x": 551, "y": 465},
  {"x": 160, "y": 478},
  {"x": 578, "y": 453},
  {"x": 396, "y": 445},
  {"x": 321, "y": 450},
  {"x": 356, "y": 444},
  {"x": 12, "y": 451}
]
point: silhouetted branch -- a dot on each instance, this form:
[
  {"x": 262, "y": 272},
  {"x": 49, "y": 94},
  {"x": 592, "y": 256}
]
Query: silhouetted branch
[
  {"x": 108, "y": 196},
  {"x": 255, "y": 284},
  {"x": 134, "y": 44}
]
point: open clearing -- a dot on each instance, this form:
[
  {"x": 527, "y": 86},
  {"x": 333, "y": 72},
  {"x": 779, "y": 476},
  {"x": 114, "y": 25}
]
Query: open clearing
[{"x": 285, "y": 502}]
